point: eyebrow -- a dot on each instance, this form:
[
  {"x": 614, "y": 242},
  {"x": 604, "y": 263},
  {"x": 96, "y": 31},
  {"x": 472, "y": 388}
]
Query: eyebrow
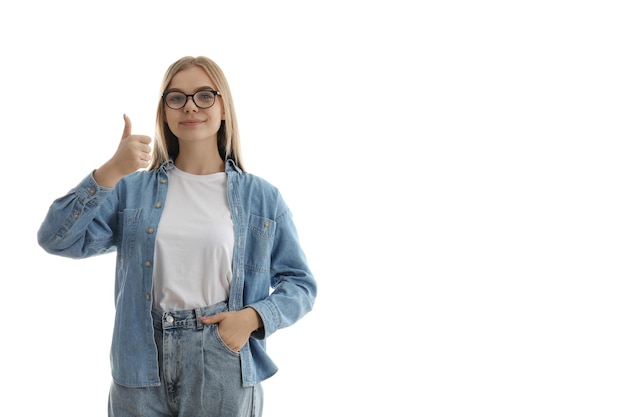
[{"x": 207, "y": 87}]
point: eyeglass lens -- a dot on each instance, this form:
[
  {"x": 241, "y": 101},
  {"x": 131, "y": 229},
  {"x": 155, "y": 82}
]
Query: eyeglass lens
[{"x": 177, "y": 100}]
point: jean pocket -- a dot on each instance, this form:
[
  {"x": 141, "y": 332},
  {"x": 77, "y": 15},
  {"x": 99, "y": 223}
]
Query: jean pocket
[
  {"x": 213, "y": 329},
  {"x": 259, "y": 243},
  {"x": 128, "y": 221}
]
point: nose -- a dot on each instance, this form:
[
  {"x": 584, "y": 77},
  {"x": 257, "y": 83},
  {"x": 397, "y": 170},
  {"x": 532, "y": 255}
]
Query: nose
[{"x": 190, "y": 105}]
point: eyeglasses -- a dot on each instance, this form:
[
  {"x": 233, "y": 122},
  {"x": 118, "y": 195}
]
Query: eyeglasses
[{"x": 203, "y": 99}]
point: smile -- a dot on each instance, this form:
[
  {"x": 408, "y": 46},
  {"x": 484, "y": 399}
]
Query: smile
[{"x": 191, "y": 122}]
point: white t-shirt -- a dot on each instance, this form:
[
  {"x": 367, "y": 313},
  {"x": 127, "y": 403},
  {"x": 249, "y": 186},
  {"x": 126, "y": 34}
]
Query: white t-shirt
[{"x": 194, "y": 243}]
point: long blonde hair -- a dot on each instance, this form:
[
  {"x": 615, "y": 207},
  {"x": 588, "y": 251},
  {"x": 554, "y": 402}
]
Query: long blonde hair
[{"x": 166, "y": 143}]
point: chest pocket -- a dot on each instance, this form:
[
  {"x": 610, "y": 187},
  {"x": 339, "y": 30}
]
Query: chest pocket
[
  {"x": 259, "y": 243},
  {"x": 127, "y": 231}
]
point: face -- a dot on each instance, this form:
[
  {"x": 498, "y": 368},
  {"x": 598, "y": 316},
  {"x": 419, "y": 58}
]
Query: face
[{"x": 192, "y": 123}]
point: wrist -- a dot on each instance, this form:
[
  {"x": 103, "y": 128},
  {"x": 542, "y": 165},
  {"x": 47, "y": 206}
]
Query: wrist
[
  {"x": 107, "y": 175},
  {"x": 253, "y": 318}
]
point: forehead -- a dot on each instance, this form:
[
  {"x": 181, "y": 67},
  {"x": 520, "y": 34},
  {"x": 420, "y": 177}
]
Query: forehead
[{"x": 191, "y": 79}]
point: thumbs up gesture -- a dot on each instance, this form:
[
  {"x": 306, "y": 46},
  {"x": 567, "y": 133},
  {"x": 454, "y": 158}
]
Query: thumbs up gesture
[{"x": 133, "y": 153}]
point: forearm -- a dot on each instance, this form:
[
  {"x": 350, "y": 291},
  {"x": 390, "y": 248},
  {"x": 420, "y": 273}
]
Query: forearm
[
  {"x": 108, "y": 175},
  {"x": 65, "y": 228},
  {"x": 252, "y": 319}
]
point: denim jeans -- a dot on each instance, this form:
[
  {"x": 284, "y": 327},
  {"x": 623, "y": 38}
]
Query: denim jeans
[{"x": 200, "y": 374}]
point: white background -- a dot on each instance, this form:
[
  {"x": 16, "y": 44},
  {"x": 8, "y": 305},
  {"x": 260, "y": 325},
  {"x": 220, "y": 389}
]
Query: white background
[{"x": 455, "y": 169}]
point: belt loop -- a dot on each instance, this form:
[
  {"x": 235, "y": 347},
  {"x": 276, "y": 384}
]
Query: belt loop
[{"x": 199, "y": 324}]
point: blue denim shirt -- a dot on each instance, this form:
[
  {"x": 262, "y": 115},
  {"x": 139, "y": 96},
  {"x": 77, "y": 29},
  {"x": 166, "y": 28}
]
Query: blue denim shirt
[{"x": 270, "y": 271}]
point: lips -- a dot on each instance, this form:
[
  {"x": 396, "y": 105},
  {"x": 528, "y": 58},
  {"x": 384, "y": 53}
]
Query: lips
[{"x": 191, "y": 122}]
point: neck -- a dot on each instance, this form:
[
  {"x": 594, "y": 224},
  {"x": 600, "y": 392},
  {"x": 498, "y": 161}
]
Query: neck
[{"x": 199, "y": 162}]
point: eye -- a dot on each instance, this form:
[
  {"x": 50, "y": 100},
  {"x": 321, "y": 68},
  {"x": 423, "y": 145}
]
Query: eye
[
  {"x": 175, "y": 97},
  {"x": 204, "y": 95}
]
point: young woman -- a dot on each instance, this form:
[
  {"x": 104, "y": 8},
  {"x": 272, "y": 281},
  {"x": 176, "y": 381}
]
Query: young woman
[{"x": 208, "y": 259}]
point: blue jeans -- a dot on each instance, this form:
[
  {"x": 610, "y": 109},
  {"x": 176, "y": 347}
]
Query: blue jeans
[{"x": 200, "y": 374}]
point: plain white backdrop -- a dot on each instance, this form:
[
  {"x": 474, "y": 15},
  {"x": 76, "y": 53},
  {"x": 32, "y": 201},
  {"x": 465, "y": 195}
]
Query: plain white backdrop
[{"x": 455, "y": 169}]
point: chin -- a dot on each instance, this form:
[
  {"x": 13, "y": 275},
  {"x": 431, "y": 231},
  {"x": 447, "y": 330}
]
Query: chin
[{"x": 196, "y": 137}]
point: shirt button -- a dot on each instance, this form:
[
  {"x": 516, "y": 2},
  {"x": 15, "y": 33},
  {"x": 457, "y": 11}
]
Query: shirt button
[
  {"x": 157, "y": 205},
  {"x": 266, "y": 224},
  {"x": 76, "y": 215},
  {"x": 150, "y": 230},
  {"x": 91, "y": 191},
  {"x": 169, "y": 319},
  {"x": 148, "y": 264},
  {"x": 162, "y": 180},
  {"x": 147, "y": 297}
]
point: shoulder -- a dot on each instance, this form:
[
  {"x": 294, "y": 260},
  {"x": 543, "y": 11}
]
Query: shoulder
[
  {"x": 248, "y": 181},
  {"x": 253, "y": 180},
  {"x": 257, "y": 194},
  {"x": 252, "y": 184}
]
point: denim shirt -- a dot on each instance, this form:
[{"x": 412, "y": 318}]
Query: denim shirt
[{"x": 270, "y": 270}]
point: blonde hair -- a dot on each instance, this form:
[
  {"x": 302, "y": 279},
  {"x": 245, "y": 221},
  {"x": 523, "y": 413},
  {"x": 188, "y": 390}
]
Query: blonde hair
[{"x": 228, "y": 143}]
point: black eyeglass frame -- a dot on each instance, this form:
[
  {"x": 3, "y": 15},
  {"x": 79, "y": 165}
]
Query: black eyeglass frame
[{"x": 214, "y": 92}]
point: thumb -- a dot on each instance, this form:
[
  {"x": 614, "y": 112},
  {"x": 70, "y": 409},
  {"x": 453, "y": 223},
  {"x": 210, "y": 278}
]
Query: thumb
[{"x": 127, "y": 127}]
